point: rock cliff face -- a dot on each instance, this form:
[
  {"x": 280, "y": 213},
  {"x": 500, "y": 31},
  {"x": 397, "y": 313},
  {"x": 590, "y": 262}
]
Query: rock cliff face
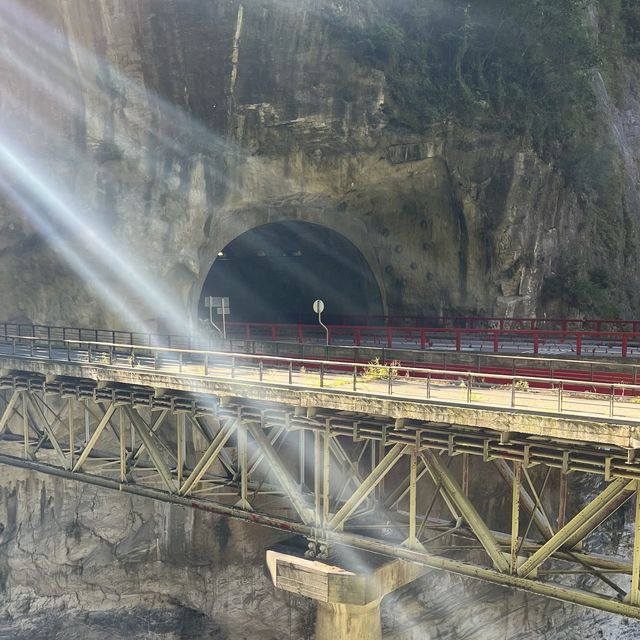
[
  {"x": 81, "y": 562},
  {"x": 171, "y": 128}
]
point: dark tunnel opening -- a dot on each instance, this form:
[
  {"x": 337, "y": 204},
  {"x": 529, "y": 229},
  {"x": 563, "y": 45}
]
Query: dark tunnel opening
[{"x": 274, "y": 272}]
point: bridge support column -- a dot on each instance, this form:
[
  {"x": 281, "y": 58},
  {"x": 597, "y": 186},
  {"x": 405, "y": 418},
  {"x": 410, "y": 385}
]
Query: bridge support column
[{"x": 348, "y": 588}]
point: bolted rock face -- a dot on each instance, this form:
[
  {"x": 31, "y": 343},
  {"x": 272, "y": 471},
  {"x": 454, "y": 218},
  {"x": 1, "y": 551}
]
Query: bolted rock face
[
  {"x": 80, "y": 562},
  {"x": 176, "y": 127}
]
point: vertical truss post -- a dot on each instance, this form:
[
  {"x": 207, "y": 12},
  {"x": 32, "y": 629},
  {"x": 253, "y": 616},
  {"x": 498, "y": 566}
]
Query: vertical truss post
[
  {"x": 634, "y": 595},
  {"x": 180, "y": 447},
  {"x": 381, "y": 454},
  {"x": 70, "y": 417},
  {"x": 326, "y": 469},
  {"x": 243, "y": 464},
  {"x": 301, "y": 458},
  {"x": 123, "y": 448},
  {"x": 87, "y": 419},
  {"x": 515, "y": 514},
  {"x": 562, "y": 503},
  {"x": 413, "y": 482},
  {"x": 316, "y": 475},
  {"x": 25, "y": 423},
  {"x": 465, "y": 474}
]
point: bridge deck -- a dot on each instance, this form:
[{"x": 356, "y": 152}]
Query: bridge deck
[
  {"x": 361, "y": 466},
  {"x": 508, "y": 404}
]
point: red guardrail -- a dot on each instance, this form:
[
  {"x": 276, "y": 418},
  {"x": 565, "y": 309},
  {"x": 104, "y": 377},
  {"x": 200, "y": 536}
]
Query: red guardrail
[
  {"x": 478, "y": 322},
  {"x": 486, "y": 340},
  {"x": 459, "y": 339},
  {"x": 231, "y": 365}
]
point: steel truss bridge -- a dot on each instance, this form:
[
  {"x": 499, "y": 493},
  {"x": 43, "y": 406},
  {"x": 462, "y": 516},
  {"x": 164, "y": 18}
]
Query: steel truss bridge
[{"x": 388, "y": 459}]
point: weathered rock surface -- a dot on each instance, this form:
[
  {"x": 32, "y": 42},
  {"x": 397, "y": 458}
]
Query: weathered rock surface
[
  {"x": 178, "y": 126},
  {"x": 172, "y": 127},
  {"x": 81, "y": 562}
]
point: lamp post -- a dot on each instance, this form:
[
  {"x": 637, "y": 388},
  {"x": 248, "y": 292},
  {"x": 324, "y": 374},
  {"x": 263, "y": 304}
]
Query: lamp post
[{"x": 318, "y": 307}]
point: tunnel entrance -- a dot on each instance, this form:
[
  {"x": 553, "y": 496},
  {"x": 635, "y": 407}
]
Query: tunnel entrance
[{"x": 274, "y": 272}]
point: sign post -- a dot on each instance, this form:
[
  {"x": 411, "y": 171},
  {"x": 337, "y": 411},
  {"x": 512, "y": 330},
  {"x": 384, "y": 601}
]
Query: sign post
[
  {"x": 222, "y": 307},
  {"x": 318, "y": 307}
]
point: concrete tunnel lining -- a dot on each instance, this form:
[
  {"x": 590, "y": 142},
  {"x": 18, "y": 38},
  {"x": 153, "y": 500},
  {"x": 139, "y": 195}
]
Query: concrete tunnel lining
[{"x": 274, "y": 271}]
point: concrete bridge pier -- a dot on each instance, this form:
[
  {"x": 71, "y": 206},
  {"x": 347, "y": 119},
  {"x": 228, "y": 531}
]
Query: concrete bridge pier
[{"x": 348, "y": 587}]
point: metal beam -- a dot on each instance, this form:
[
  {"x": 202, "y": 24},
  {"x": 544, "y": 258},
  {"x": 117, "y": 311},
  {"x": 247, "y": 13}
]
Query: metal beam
[
  {"x": 209, "y": 456},
  {"x": 8, "y": 412},
  {"x": 202, "y": 425},
  {"x": 582, "y": 524},
  {"x": 369, "y": 484},
  {"x": 146, "y": 435},
  {"x": 243, "y": 466},
  {"x": 515, "y": 515},
  {"x": 96, "y": 435},
  {"x": 281, "y": 473},
  {"x": 403, "y": 488},
  {"x": 49, "y": 431},
  {"x": 413, "y": 541},
  {"x": 526, "y": 501},
  {"x": 552, "y": 590},
  {"x": 467, "y": 510},
  {"x": 157, "y": 423},
  {"x": 634, "y": 594}
]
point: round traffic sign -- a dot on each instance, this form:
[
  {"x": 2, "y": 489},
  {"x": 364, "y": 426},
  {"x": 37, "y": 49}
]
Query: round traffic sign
[{"x": 318, "y": 306}]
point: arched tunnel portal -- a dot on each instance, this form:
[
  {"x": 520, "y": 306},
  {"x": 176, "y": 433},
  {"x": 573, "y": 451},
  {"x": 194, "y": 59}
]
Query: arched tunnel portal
[{"x": 274, "y": 272}]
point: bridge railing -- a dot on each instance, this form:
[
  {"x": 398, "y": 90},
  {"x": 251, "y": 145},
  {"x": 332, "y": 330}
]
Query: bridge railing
[
  {"x": 516, "y": 363},
  {"x": 619, "y": 344},
  {"x": 590, "y": 343},
  {"x": 54, "y": 332},
  {"x": 476, "y": 322},
  {"x": 553, "y": 395}
]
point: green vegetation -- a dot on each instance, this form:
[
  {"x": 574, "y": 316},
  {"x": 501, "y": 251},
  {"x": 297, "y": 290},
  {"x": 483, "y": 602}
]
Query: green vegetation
[
  {"x": 579, "y": 287},
  {"x": 524, "y": 69},
  {"x": 377, "y": 371},
  {"x": 521, "y": 66}
]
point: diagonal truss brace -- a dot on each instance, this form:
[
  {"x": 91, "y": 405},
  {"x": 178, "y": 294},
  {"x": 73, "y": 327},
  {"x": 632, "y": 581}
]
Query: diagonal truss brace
[
  {"x": 48, "y": 429},
  {"x": 209, "y": 456},
  {"x": 146, "y": 434},
  {"x": 9, "y": 410},
  {"x": 157, "y": 423},
  {"x": 368, "y": 485},
  {"x": 96, "y": 435},
  {"x": 540, "y": 518},
  {"x": 449, "y": 484},
  {"x": 594, "y": 514},
  {"x": 282, "y": 474}
]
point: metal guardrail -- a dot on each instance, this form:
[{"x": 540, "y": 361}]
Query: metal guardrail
[
  {"x": 541, "y": 394},
  {"x": 623, "y": 344},
  {"x": 459, "y": 339},
  {"x": 475, "y": 322}
]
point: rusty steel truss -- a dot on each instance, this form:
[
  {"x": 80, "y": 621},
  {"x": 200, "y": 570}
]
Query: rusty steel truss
[{"x": 398, "y": 487}]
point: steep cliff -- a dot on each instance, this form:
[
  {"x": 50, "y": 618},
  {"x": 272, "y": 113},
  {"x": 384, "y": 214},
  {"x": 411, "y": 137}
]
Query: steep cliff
[{"x": 169, "y": 128}]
